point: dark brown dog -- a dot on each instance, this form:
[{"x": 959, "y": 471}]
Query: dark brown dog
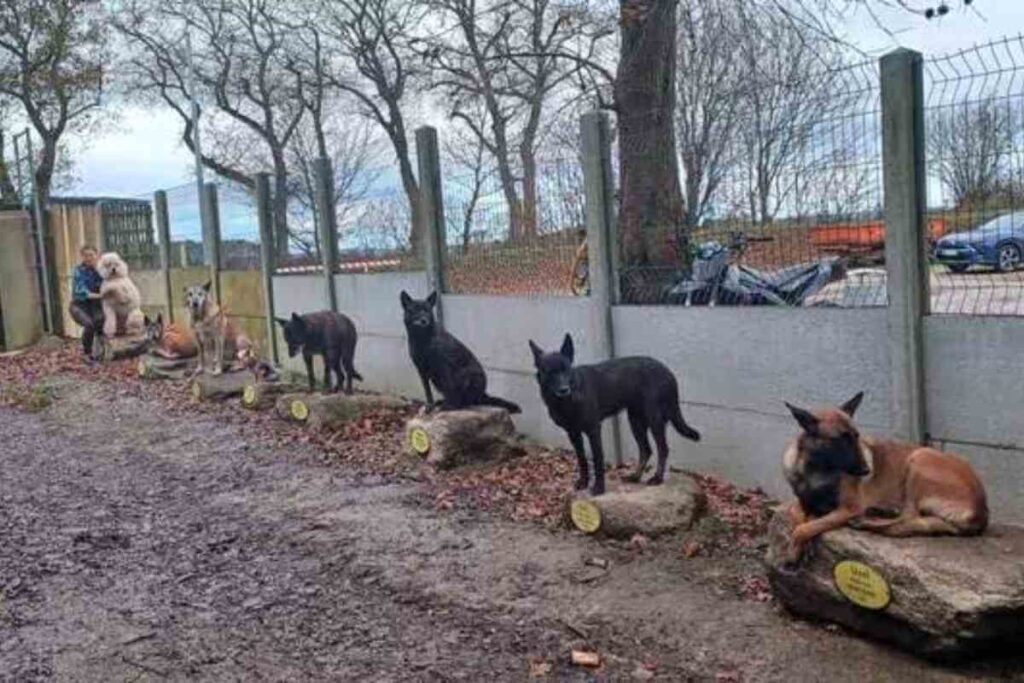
[{"x": 892, "y": 488}]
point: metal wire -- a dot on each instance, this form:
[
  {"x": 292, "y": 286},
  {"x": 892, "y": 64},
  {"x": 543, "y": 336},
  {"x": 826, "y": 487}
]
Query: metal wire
[{"x": 974, "y": 116}]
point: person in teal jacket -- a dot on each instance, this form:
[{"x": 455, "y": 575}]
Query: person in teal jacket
[{"x": 85, "y": 307}]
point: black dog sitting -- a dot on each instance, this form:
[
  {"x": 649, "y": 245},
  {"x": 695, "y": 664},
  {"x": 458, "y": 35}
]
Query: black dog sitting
[
  {"x": 330, "y": 334},
  {"x": 579, "y": 398},
  {"x": 442, "y": 359}
]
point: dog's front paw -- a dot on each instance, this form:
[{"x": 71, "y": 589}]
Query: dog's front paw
[
  {"x": 581, "y": 482},
  {"x": 656, "y": 480},
  {"x": 597, "y": 489}
]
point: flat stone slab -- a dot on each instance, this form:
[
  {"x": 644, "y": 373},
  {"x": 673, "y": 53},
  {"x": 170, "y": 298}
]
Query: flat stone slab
[
  {"x": 629, "y": 509},
  {"x": 453, "y": 438},
  {"x": 943, "y": 598}
]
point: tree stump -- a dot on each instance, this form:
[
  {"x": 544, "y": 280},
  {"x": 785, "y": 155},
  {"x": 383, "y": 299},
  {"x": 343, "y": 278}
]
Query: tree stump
[
  {"x": 944, "y": 598},
  {"x": 262, "y": 395},
  {"x": 208, "y": 387},
  {"x": 122, "y": 347},
  {"x": 628, "y": 509},
  {"x": 332, "y": 410},
  {"x": 156, "y": 367},
  {"x": 453, "y": 438}
]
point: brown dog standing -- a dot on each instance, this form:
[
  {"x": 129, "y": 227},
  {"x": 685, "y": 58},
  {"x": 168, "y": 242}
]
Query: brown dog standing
[{"x": 888, "y": 487}]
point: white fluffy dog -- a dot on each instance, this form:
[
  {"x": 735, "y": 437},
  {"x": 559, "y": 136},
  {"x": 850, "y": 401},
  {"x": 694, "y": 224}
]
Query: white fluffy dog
[{"x": 120, "y": 296}]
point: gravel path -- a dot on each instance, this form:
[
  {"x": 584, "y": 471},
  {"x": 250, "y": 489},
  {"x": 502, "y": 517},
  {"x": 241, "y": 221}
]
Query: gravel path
[{"x": 138, "y": 546}]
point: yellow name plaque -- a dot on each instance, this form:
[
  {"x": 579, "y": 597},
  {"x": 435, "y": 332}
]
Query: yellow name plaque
[{"x": 862, "y": 585}]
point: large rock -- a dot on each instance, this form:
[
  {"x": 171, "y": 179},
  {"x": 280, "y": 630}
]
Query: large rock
[
  {"x": 209, "y": 387},
  {"x": 452, "y": 438},
  {"x": 629, "y": 509},
  {"x": 949, "y": 597}
]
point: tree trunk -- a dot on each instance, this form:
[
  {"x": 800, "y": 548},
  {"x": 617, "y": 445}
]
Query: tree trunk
[
  {"x": 529, "y": 161},
  {"x": 8, "y": 193},
  {"x": 651, "y": 202},
  {"x": 280, "y": 207}
]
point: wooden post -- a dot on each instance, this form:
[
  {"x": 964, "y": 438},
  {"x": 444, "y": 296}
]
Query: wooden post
[
  {"x": 328, "y": 225},
  {"x": 268, "y": 247},
  {"x": 163, "y": 232},
  {"x": 211, "y": 223},
  {"x": 903, "y": 173},
  {"x": 431, "y": 211},
  {"x": 599, "y": 191}
]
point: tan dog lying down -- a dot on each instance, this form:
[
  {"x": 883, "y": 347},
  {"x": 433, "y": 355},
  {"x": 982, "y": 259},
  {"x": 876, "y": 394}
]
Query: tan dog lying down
[{"x": 888, "y": 487}]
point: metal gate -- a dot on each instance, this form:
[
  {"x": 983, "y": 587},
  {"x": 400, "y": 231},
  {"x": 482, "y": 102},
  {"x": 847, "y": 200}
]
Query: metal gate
[{"x": 127, "y": 228}]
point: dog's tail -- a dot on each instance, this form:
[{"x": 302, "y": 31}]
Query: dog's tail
[
  {"x": 685, "y": 430},
  {"x": 488, "y": 400}
]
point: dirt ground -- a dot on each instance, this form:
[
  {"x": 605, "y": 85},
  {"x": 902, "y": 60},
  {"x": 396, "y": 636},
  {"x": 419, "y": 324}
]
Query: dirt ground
[{"x": 142, "y": 543}]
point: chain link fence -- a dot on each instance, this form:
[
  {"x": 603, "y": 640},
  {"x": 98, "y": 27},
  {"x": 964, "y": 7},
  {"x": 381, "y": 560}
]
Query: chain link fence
[
  {"x": 974, "y": 121},
  {"x": 782, "y": 206}
]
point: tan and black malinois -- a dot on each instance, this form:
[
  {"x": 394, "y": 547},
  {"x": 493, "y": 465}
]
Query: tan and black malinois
[{"x": 841, "y": 478}]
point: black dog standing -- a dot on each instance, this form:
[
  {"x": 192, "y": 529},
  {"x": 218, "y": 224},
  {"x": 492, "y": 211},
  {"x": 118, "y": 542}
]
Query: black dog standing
[
  {"x": 579, "y": 398},
  {"x": 442, "y": 359},
  {"x": 329, "y": 334}
]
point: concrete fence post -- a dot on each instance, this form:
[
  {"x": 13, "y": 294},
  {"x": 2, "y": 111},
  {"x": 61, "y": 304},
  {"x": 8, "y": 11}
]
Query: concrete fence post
[
  {"x": 211, "y": 226},
  {"x": 431, "y": 210},
  {"x": 163, "y": 235},
  {"x": 328, "y": 226},
  {"x": 268, "y": 247},
  {"x": 906, "y": 263},
  {"x": 599, "y": 212}
]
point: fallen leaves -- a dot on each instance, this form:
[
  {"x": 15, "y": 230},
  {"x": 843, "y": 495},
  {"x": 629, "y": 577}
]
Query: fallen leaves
[{"x": 745, "y": 511}]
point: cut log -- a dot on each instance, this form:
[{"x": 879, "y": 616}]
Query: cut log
[
  {"x": 626, "y": 510},
  {"x": 122, "y": 347},
  {"x": 208, "y": 387},
  {"x": 944, "y": 598},
  {"x": 155, "y": 367},
  {"x": 262, "y": 395},
  {"x": 332, "y": 410},
  {"x": 454, "y": 438}
]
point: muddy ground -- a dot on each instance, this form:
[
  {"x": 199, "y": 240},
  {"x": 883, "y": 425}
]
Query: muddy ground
[{"x": 142, "y": 543}]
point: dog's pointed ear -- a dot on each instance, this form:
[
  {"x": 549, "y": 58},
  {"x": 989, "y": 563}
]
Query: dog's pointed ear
[
  {"x": 538, "y": 353},
  {"x": 159, "y": 318},
  {"x": 297, "y": 320},
  {"x": 146, "y": 321},
  {"x": 567, "y": 349},
  {"x": 806, "y": 418},
  {"x": 850, "y": 407},
  {"x": 405, "y": 299},
  {"x": 208, "y": 285},
  {"x": 432, "y": 299}
]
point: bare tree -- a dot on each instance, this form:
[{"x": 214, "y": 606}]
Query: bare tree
[
  {"x": 8, "y": 193},
  {"x": 370, "y": 41},
  {"x": 52, "y": 57},
  {"x": 472, "y": 168},
  {"x": 501, "y": 57},
  {"x": 352, "y": 149},
  {"x": 709, "y": 81},
  {"x": 970, "y": 148},
  {"x": 794, "y": 86}
]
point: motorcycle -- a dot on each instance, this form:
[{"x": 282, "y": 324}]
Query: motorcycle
[{"x": 715, "y": 279}]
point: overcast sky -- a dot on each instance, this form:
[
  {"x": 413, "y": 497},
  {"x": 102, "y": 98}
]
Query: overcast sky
[{"x": 143, "y": 154}]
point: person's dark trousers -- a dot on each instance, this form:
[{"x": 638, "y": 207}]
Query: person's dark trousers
[{"x": 88, "y": 314}]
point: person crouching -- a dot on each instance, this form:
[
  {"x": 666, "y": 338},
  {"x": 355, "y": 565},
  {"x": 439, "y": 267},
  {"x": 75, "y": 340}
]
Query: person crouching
[{"x": 86, "y": 308}]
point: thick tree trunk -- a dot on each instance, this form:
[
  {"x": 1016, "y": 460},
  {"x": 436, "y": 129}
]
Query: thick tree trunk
[
  {"x": 651, "y": 202},
  {"x": 8, "y": 194},
  {"x": 280, "y": 208},
  {"x": 529, "y": 161}
]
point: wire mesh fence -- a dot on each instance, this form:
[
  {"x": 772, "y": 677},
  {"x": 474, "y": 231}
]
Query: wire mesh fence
[
  {"x": 510, "y": 236},
  {"x": 974, "y": 121},
  {"x": 782, "y": 206}
]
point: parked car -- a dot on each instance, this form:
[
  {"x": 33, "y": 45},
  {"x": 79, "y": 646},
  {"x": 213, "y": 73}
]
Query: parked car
[{"x": 998, "y": 243}]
